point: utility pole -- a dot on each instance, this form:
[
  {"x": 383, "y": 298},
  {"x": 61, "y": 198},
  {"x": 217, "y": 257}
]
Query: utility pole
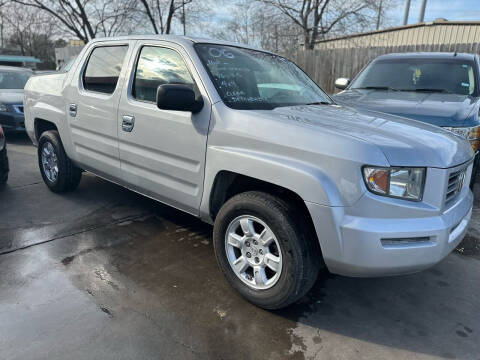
[
  {"x": 1, "y": 29},
  {"x": 276, "y": 37},
  {"x": 421, "y": 16},
  {"x": 406, "y": 10},
  {"x": 183, "y": 18},
  {"x": 379, "y": 14}
]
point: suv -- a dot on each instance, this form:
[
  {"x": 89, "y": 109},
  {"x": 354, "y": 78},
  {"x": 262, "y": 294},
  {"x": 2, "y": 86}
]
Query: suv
[
  {"x": 441, "y": 89},
  {"x": 246, "y": 141}
]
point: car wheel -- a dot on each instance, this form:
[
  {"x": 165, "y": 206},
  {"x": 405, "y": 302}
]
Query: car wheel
[
  {"x": 3, "y": 166},
  {"x": 266, "y": 249},
  {"x": 58, "y": 171}
]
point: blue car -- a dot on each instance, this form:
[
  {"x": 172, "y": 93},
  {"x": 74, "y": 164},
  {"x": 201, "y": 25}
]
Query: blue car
[
  {"x": 12, "y": 81},
  {"x": 442, "y": 89}
]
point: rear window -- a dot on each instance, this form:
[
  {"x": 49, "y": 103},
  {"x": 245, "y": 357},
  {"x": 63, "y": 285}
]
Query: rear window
[{"x": 103, "y": 68}]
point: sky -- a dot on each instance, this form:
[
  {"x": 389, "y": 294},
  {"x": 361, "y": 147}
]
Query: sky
[{"x": 448, "y": 9}]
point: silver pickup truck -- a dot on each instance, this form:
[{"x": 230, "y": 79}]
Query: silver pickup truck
[{"x": 245, "y": 140}]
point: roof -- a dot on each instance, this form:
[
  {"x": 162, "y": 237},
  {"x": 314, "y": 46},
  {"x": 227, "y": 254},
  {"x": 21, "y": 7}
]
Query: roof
[
  {"x": 428, "y": 55},
  {"x": 17, "y": 58},
  {"x": 182, "y": 40},
  {"x": 442, "y": 22}
]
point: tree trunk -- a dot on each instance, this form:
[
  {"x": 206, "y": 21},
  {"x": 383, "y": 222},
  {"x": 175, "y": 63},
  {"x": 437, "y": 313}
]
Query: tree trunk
[
  {"x": 150, "y": 16},
  {"x": 171, "y": 10},
  {"x": 306, "y": 39}
]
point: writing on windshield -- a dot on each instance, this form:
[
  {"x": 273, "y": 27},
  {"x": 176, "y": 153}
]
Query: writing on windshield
[{"x": 250, "y": 79}]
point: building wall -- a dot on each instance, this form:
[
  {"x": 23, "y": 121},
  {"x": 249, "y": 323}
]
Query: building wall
[
  {"x": 439, "y": 32},
  {"x": 62, "y": 55}
]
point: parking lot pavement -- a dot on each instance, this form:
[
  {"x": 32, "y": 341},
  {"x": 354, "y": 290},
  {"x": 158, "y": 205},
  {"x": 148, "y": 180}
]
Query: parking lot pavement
[{"x": 104, "y": 273}]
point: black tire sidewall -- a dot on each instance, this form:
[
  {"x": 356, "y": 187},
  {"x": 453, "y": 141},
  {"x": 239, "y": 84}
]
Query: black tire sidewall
[
  {"x": 53, "y": 138},
  {"x": 288, "y": 285},
  {"x": 3, "y": 166},
  {"x": 476, "y": 165}
]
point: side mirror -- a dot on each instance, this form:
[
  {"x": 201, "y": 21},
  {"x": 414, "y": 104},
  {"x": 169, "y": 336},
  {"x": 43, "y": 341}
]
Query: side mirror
[
  {"x": 178, "y": 97},
  {"x": 342, "y": 83}
]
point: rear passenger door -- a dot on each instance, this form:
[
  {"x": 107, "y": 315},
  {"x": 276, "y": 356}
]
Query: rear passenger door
[
  {"x": 92, "y": 104},
  {"x": 162, "y": 152}
]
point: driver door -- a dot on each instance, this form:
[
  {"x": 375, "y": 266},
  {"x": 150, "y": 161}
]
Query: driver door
[{"x": 162, "y": 152}]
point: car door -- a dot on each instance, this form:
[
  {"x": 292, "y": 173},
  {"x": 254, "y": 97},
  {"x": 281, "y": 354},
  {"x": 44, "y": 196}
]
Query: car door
[
  {"x": 92, "y": 104},
  {"x": 162, "y": 152}
]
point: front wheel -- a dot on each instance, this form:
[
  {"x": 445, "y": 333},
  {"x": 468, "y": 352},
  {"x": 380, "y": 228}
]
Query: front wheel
[
  {"x": 265, "y": 249},
  {"x": 58, "y": 171}
]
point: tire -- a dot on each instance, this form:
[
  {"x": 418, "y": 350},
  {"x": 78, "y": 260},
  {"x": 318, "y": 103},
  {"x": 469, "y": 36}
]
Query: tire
[
  {"x": 476, "y": 164},
  {"x": 298, "y": 249},
  {"x": 68, "y": 176},
  {"x": 4, "y": 168}
]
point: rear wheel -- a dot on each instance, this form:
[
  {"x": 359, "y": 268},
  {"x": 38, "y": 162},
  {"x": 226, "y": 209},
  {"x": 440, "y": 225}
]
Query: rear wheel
[
  {"x": 265, "y": 249},
  {"x": 58, "y": 171}
]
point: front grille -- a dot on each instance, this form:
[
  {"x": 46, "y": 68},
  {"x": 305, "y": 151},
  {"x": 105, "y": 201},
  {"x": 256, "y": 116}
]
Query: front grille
[{"x": 455, "y": 184}]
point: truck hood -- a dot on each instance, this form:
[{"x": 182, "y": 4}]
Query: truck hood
[
  {"x": 404, "y": 142},
  {"x": 434, "y": 108},
  {"x": 11, "y": 96}
]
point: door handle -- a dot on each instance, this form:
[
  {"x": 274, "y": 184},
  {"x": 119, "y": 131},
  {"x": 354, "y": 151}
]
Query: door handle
[
  {"x": 128, "y": 122},
  {"x": 72, "y": 110}
]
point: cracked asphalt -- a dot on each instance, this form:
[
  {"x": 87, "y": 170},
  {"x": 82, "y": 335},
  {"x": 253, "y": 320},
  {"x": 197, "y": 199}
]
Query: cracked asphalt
[{"x": 104, "y": 273}]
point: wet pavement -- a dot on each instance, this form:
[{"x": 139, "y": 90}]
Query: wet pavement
[{"x": 104, "y": 273}]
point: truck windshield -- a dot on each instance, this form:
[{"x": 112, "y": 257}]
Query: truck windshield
[
  {"x": 255, "y": 80},
  {"x": 455, "y": 76},
  {"x": 14, "y": 79}
]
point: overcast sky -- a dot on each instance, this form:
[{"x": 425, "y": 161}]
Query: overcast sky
[{"x": 448, "y": 9}]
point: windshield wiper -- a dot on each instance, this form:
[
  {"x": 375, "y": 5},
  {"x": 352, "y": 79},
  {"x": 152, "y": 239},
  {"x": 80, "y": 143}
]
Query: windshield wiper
[
  {"x": 376, "y": 88},
  {"x": 431, "y": 90},
  {"x": 319, "y": 103}
]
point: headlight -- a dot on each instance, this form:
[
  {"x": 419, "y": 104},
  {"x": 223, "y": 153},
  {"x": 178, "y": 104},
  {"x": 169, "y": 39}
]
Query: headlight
[
  {"x": 402, "y": 183},
  {"x": 3, "y": 107},
  {"x": 472, "y": 134}
]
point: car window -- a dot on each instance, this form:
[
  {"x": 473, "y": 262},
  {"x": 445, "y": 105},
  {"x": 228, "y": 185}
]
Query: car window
[
  {"x": 158, "y": 66},
  {"x": 250, "y": 79},
  {"x": 443, "y": 75},
  {"x": 14, "y": 79},
  {"x": 103, "y": 68}
]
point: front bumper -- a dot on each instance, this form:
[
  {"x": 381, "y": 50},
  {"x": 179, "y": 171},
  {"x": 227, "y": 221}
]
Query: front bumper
[
  {"x": 364, "y": 242},
  {"x": 12, "y": 121}
]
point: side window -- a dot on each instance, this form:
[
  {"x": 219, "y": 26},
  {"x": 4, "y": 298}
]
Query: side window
[
  {"x": 103, "y": 68},
  {"x": 157, "y": 66}
]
